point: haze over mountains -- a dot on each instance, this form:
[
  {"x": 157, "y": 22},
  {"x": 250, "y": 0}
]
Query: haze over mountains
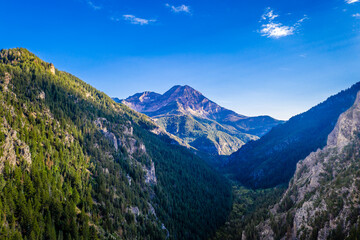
[{"x": 200, "y": 122}]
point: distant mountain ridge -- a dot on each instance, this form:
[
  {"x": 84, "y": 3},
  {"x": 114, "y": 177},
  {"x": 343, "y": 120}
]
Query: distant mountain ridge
[
  {"x": 189, "y": 101},
  {"x": 200, "y": 122}
]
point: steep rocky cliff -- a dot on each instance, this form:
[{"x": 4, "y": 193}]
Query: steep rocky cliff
[
  {"x": 271, "y": 161},
  {"x": 322, "y": 201}
]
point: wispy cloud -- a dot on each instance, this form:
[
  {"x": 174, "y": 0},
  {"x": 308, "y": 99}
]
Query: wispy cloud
[
  {"x": 272, "y": 29},
  {"x": 178, "y": 9},
  {"x": 269, "y": 15},
  {"x": 356, "y": 15},
  {"x": 351, "y": 1},
  {"x": 134, "y": 20},
  {"x": 93, "y": 5}
]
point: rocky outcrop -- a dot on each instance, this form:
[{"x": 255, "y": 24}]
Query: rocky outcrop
[
  {"x": 133, "y": 147},
  {"x": 100, "y": 123},
  {"x": 5, "y": 81},
  {"x": 125, "y": 140},
  {"x": 41, "y": 95},
  {"x": 135, "y": 211},
  {"x": 323, "y": 197},
  {"x": 150, "y": 176},
  {"x": 52, "y": 68},
  {"x": 13, "y": 149}
]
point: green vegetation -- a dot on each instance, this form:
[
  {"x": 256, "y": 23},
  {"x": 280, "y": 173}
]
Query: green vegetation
[
  {"x": 205, "y": 135},
  {"x": 250, "y": 208},
  {"x": 76, "y": 184}
]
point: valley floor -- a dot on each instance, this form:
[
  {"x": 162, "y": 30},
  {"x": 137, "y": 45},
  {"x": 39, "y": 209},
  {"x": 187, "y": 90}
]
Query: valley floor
[{"x": 250, "y": 208}]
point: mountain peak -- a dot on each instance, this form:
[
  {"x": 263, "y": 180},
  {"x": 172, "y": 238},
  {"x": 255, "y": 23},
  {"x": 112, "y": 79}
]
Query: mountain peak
[
  {"x": 185, "y": 95},
  {"x": 182, "y": 87},
  {"x": 182, "y": 90},
  {"x": 189, "y": 115}
]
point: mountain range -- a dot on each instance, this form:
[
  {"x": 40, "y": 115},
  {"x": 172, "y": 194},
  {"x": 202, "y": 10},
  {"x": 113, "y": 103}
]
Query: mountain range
[
  {"x": 201, "y": 123},
  {"x": 74, "y": 164}
]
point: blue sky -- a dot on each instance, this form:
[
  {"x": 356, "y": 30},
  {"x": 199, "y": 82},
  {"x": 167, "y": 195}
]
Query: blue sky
[{"x": 256, "y": 57}]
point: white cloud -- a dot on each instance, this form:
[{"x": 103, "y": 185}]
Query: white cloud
[
  {"x": 93, "y": 5},
  {"x": 135, "y": 20},
  {"x": 302, "y": 20},
  {"x": 272, "y": 29},
  {"x": 356, "y": 15},
  {"x": 351, "y": 1},
  {"x": 181, "y": 8},
  {"x": 269, "y": 15},
  {"x": 276, "y": 30}
]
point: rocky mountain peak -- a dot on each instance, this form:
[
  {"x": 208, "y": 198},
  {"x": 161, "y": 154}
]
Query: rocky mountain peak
[
  {"x": 180, "y": 98},
  {"x": 185, "y": 95},
  {"x": 189, "y": 115},
  {"x": 182, "y": 90}
]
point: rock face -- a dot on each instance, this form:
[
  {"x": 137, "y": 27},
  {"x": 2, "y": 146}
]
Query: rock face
[
  {"x": 41, "y": 95},
  {"x": 13, "y": 150},
  {"x": 150, "y": 176},
  {"x": 322, "y": 200},
  {"x": 6, "y": 81},
  {"x": 52, "y": 68},
  {"x": 11, "y": 145},
  {"x": 109, "y": 135},
  {"x": 187, "y": 114},
  {"x": 133, "y": 147}
]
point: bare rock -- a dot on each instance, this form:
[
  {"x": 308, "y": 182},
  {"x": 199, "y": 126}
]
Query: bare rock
[
  {"x": 41, "y": 95},
  {"x": 150, "y": 176},
  {"x": 135, "y": 211},
  {"x": 5, "y": 81},
  {"x": 52, "y": 68},
  {"x": 316, "y": 191},
  {"x": 100, "y": 123},
  {"x": 9, "y": 146}
]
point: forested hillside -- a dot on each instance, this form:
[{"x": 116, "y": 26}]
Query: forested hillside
[{"x": 76, "y": 165}]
